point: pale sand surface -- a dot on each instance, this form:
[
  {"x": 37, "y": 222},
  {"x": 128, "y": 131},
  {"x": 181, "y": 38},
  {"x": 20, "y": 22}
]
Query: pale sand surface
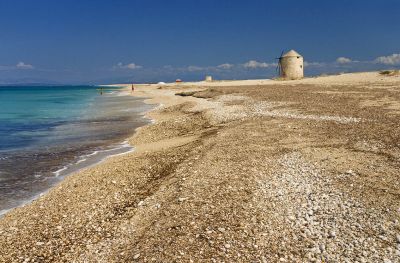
[
  {"x": 240, "y": 171},
  {"x": 342, "y": 79}
]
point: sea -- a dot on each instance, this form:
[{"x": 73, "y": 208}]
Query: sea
[{"x": 49, "y": 132}]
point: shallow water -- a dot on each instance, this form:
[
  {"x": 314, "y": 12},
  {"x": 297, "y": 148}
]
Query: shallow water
[{"x": 49, "y": 132}]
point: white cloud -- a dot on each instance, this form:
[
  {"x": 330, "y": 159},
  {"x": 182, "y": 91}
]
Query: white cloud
[
  {"x": 393, "y": 59},
  {"x": 22, "y": 65},
  {"x": 343, "y": 60},
  {"x": 313, "y": 64},
  {"x": 131, "y": 66},
  {"x": 225, "y": 66},
  {"x": 255, "y": 64},
  {"x": 194, "y": 68}
]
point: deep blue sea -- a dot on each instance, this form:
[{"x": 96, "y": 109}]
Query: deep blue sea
[{"x": 47, "y": 132}]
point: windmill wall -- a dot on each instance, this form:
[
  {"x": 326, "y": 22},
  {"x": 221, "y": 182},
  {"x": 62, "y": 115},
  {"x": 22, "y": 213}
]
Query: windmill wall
[{"x": 292, "y": 67}]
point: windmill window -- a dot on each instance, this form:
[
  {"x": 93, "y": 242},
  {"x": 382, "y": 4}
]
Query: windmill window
[
  {"x": 298, "y": 57},
  {"x": 301, "y": 66}
]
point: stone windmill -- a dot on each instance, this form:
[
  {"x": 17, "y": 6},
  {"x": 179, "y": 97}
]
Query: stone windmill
[{"x": 291, "y": 65}]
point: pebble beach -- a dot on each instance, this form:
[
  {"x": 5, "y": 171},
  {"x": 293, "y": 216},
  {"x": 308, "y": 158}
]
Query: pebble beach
[{"x": 234, "y": 171}]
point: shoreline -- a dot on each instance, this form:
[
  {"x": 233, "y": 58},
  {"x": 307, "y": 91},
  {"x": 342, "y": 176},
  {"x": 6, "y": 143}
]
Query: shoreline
[
  {"x": 263, "y": 174},
  {"x": 72, "y": 168},
  {"x": 85, "y": 160}
]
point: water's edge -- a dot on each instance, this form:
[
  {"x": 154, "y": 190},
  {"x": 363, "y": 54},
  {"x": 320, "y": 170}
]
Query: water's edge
[{"x": 92, "y": 159}]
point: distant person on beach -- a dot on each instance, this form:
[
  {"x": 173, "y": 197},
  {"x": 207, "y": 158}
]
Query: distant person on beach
[
  {"x": 133, "y": 88},
  {"x": 101, "y": 91}
]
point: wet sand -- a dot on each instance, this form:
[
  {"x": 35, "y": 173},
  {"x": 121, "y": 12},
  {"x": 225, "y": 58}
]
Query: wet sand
[{"x": 297, "y": 171}]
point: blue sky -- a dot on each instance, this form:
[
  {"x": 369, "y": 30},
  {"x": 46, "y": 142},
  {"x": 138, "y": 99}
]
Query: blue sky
[{"x": 71, "y": 41}]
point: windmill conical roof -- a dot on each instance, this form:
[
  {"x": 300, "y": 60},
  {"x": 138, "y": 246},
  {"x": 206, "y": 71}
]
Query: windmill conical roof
[{"x": 291, "y": 53}]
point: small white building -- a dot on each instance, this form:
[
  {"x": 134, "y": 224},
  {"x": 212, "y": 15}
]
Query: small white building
[
  {"x": 291, "y": 65},
  {"x": 209, "y": 79}
]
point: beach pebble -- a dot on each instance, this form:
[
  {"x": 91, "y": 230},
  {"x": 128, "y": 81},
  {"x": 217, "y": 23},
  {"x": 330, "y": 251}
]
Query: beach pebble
[
  {"x": 350, "y": 172},
  {"x": 136, "y": 256},
  {"x": 322, "y": 247},
  {"x": 182, "y": 199}
]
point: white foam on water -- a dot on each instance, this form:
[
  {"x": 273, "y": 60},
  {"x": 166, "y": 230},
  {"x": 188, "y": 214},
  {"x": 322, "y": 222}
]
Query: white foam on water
[
  {"x": 59, "y": 171},
  {"x": 86, "y": 161},
  {"x": 91, "y": 159},
  {"x": 83, "y": 162}
]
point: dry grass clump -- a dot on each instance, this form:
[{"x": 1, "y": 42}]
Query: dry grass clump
[{"x": 395, "y": 72}]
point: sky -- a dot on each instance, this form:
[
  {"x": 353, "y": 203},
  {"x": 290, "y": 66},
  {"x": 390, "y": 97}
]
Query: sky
[{"x": 99, "y": 41}]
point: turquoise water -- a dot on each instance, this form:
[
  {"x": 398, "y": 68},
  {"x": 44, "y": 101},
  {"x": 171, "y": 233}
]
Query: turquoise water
[
  {"x": 45, "y": 132},
  {"x": 28, "y": 114}
]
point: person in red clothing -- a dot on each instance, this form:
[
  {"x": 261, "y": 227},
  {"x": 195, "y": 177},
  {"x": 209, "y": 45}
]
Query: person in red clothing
[{"x": 133, "y": 88}]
